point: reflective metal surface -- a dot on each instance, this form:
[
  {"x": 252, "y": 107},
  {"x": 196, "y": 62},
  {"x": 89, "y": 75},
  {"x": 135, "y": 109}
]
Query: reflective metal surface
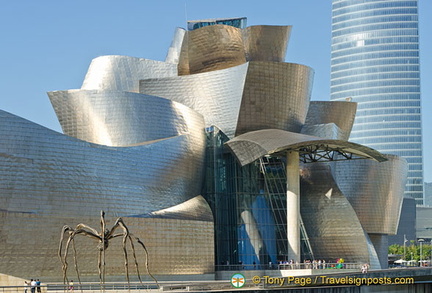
[
  {"x": 173, "y": 55},
  {"x": 64, "y": 173},
  {"x": 117, "y": 118},
  {"x": 331, "y": 223},
  {"x": 122, "y": 73},
  {"x": 276, "y": 95},
  {"x": 252, "y": 96},
  {"x": 221, "y": 46},
  {"x": 134, "y": 146},
  {"x": 320, "y": 113},
  {"x": 255, "y": 144},
  {"x": 375, "y": 191},
  {"x": 211, "y": 48},
  {"x": 365, "y": 36},
  {"x": 216, "y": 95},
  {"x": 327, "y": 131},
  {"x": 193, "y": 209},
  {"x": 48, "y": 179},
  {"x": 266, "y": 42}
]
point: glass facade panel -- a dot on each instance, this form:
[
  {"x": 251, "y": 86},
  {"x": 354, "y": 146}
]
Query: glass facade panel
[
  {"x": 249, "y": 208},
  {"x": 235, "y": 22},
  {"x": 375, "y": 62}
]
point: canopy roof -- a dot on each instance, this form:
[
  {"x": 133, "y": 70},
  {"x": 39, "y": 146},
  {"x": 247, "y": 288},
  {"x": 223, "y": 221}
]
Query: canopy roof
[{"x": 251, "y": 146}]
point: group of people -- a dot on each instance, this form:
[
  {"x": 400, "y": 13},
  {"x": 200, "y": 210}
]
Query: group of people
[
  {"x": 33, "y": 284},
  {"x": 308, "y": 264}
]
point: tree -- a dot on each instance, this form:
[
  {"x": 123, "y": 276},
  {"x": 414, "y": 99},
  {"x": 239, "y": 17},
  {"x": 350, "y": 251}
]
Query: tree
[{"x": 412, "y": 251}]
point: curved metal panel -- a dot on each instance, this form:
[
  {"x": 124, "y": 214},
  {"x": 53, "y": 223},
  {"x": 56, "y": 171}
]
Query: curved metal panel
[
  {"x": 122, "y": 73},
  {"x": 186, "y": 245},
  {"x": 332, "y": 226},
  {"x": 216, "y": 95},
  {"x": 326, "y": 131},
  {"x": 64, "y": 173},
  {"x": 375, "y": 190},
  {"x": 116, "y": 118},
  {"x": 183, "y": 62},
  {"x": 48, "y": 179},
  {"x": 276, "y": 95},
  {"x": 211, "y": 48},
  {"x": 251, "y": 146},
  {"x": 196, "y": 209},
  {"x": 174, "y": 50},
  {"x": 176, "y": 247},
  {"x": 266, "y": 42},
  {"x": 342, "y": 114}
]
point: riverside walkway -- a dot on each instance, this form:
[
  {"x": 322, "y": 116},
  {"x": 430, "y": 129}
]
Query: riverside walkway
[{"x": 391, "y": 280}]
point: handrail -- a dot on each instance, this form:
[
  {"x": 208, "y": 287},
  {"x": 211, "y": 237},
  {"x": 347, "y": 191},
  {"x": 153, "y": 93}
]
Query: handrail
[
  {"x": 81, "y": 287},
  {"x": 288, "y": 266}
]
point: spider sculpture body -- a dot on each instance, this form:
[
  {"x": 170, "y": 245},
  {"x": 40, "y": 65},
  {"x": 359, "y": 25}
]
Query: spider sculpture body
[{"x": 118, "y": 230}]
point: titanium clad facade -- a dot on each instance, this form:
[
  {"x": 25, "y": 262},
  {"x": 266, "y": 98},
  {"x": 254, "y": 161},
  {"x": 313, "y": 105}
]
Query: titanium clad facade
[
  {"x": 266, "y": 43},
  {"x": 329, "y": 130},
  {"x": 251, "y": 96},
  {"x": 216, "y": 95},
  {"x": 51, "y": 165},
  {"x": 375, "y": 61},
  {"x": 145, "y": 139},
  {"x": 221, "y": 46},
  {"x": 115, "y": 118},
  {"x": 122, "y": 73},
  {"x": 211, "y": 48},
  {"x": 251, "y": 146},
  {"x": 276, "y": 95},
  {"x": 49, "y": 179},
  {"x": 341, "y": 114},
  {"x": 173, "y": 55},
  {"x": 374, "y": 190},
  {"x": 330, "y": 221}
]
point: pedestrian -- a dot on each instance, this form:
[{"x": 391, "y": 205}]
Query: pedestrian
[
  {"x": 26, "y": 285},
  {"x": 364, "y": 268},
  {"x": 71, "y": 286},
  {"x": 33, "y": 286},
  {"x": 38, "y": 288}
]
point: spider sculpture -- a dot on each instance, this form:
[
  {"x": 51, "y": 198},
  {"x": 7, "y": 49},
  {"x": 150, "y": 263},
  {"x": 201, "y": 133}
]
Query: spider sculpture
[{"x": 103, "y": 238}]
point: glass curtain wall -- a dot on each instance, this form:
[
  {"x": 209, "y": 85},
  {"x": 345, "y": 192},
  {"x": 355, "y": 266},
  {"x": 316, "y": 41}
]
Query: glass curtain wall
[
  {"x": 375, "y": 62},
  {"x": 249, "y": 208}
]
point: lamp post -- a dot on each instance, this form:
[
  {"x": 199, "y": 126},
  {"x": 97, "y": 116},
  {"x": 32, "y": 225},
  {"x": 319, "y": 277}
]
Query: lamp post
[{"x": 421, "y": 251}]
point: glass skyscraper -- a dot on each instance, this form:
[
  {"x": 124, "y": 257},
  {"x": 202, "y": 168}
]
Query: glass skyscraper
[{"x": 375, "y": 62}]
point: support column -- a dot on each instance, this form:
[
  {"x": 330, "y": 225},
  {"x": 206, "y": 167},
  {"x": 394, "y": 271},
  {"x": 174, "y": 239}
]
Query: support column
[{"x": 293, "y": 206}]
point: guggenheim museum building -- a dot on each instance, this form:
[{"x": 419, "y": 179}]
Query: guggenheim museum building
[{"x": 214, "y": 156}]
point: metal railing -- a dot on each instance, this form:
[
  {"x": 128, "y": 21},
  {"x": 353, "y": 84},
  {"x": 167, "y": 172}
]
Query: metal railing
[
  {"x": 288, "y": 266},
  {"x": 137, "y": 287}
]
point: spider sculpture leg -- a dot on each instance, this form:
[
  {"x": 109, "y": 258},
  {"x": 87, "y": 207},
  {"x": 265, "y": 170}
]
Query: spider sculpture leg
[
  {"x": 104, "y": 245},
  {"x": 135, "y": 258},
  {"x": 127, "y": 235},
  {"x": 64, "y": 260},
  {"x": 147, "y": 258},
  {"x": 80, "y": 229},
  {"x": 70, "y": 240}
]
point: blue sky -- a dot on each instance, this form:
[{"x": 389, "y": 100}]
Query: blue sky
[{"x": 48, "y": 45}]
